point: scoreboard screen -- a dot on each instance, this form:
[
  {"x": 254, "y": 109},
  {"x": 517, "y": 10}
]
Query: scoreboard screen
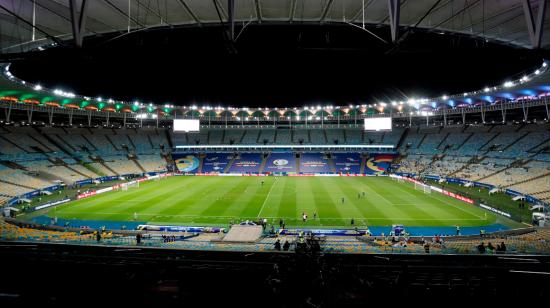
[
  {"x": 378, "y": 124},
  {"x": 186, "y": 125}
]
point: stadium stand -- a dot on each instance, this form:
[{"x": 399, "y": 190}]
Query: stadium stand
[
  {"x": 216, "y": 162},
  {"x": 281, "y": 162},
  {"x": 246, "y": 163},
  {"x": 347, "y": 162},
  {"x": 314, "y": 163}
]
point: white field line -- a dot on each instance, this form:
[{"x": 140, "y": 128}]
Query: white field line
[
  {"x": 267, "y": 197},
  {"x": 446, "y": 202},
  {"x": 335, "y": 218}
]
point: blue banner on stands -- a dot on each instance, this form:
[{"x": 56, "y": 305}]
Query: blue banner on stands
[
  {"x": 488, "y": 186},
  {"x": 339, "y": 232},
  {"x": 179, "y": 229}
]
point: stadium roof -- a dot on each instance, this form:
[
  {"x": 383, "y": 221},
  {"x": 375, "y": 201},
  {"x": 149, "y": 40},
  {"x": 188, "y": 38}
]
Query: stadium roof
[{"x": 27, "y": 24}]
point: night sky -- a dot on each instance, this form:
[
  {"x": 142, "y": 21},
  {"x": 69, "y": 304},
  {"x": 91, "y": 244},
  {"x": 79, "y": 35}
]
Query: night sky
[{"x": 275, "y": 66}]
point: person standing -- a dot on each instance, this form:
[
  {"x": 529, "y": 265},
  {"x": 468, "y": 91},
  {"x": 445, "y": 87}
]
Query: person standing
[
  {"x": 457, "y": 230},
  {"x": 278, "y": 245},
  {"x": 286, "y": 245}
]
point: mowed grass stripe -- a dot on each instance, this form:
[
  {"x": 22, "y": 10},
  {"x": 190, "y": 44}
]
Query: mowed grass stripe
[
  {"x": 116, "y": 201},
  {"x": 369, "y": 206},
  {"x": 415, "y": 211},
  {"x": 435, "y": 205},
  {"x": 350, "y": 207},
  {"x": 180, "y": 201},
  {"x": 451, "y": 205},
  {"x": 216, "y": 200},
  {"x": 273, "y": 202},
  {"x": 286, "y": 205},
  {"x": 329, "y": 202}
]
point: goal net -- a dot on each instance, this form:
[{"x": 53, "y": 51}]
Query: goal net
[
  {"x": 423, "y": 187},
  {"x": 133, "y": 184}
]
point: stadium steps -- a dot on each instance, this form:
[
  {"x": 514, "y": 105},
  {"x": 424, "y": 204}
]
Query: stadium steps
[
  {"x": 108, "y": 168},
  {"x": 139, "y": 165},
  {"x": 363, "y": 163},
  {"x": 516, "y": 163},
  {"x": 275, "y": 136},
  {"x": 345, "y": 137},
  {"x": 229, "y": 164},
  {"x": 325, "y": 135},
  {"x": 14, "y": 144},
  {"x": 131, "y": 141},
  {"x": 540, "y": 193},
  {"x": 421, "y": 141},
  {"x": 298, "y": 161},
  {"x": 528, "y": 180},
  {"x": 515, "y": 141},
  {"x": 538, "y": 145},
  {"x": 92, "y": 169},
  {"x": 402, "y": 138},
  {"x": 488, "y": 141},
  {"x": 442, "y": 140},
  {"x": 473, "y": 160},
  {"x": 201, "y": 160},
  {"x": 112, "y": 143},
  {"x": 242, "y": 136},
  {"x": 208, "y": 137},
  {"x": 92, "y": 146},
  {"x": 223, "y": 136},
  {"x": 60, "y": 143},
  {"x": 151, "y": 142},
  {"x": 25, "y": 186},
  {"x": 465, "y": 140},
  {"x": 264, "y": 161},
  {"x": 309, "y": 136},
  {"x": 331, "y": 165},
  {"x": 76, "y": 171},
  {"x": 12, "y": 165},
  {"x": 41, "y": 143}
]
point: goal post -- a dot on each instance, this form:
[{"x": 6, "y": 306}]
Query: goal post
[
  {"x": 423, "y": 187},
  {"x": 427, "y": 189},
  {"x": 133, "y": 184}
]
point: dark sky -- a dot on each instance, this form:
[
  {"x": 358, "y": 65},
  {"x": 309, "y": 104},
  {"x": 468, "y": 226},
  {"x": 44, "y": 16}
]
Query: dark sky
[{"x": 275, "y": 65}]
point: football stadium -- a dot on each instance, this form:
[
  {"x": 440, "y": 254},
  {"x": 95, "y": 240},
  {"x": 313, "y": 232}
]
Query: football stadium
[{"x": 310, "y": 153}]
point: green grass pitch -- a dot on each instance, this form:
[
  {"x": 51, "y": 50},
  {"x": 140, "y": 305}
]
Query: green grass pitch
[{"x": 197, "y": 200}]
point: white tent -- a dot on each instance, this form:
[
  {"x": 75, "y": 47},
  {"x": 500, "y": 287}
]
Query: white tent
[{"x": 537, "y": 207}]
